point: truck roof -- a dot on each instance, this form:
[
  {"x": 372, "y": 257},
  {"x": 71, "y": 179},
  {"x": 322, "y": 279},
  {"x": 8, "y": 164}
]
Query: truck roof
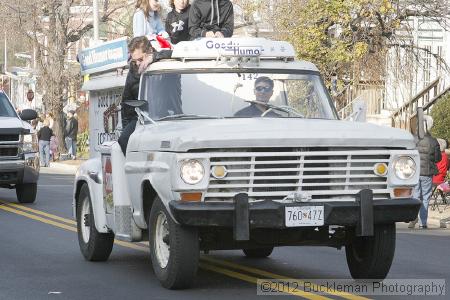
[
  {"x": 172, "y": 64},
  {"x": 102, "y": 61},
  {"x": 208, "y": 53}
]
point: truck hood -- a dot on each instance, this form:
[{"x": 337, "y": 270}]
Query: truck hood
[
  {"x": 13, "y": 125},
  {"x": 184, "y": 135}
]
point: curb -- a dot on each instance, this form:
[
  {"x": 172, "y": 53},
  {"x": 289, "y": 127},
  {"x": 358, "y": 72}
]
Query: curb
[
  {"x": 440, "y": 220},
  {"x": 57, "y": 167}
]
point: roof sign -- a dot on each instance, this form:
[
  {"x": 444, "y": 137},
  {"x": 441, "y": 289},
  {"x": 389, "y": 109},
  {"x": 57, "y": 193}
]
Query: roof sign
[
  {"x": 212, "y": 48},
  {"x": 106, "y": 56}
]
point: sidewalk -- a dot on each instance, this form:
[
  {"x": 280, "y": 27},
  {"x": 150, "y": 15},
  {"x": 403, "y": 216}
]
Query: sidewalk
[
  {"x": 63, "y": 167},
  {"x": 440, "y": 218}
]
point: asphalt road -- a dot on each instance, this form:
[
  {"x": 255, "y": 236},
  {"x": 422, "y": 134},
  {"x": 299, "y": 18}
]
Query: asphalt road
[{"x": 40, "y": 259}]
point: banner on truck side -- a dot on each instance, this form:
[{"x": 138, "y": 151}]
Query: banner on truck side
[{"x": 106, "y": 56}]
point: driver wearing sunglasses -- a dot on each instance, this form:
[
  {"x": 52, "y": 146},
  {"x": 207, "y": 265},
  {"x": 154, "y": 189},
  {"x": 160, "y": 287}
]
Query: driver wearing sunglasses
[{"x": 263, "y": 92}]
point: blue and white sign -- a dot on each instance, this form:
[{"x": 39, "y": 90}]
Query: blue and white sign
[
  {"x": 106, "y": 56},
  {"x": 212, "y": 48}
]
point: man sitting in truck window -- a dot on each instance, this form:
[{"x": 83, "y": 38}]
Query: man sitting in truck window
[
  {"x": 263, "y": 92},
  {"x": 142, "y": 55}
]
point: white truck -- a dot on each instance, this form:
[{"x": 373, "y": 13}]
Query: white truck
[
  {"x": 213, "y": 165},
  {"x": 19, "y": 151}
]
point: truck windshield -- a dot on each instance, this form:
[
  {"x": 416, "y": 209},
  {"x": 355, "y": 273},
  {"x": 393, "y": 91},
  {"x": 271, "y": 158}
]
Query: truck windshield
[
  {"x": 6, "y": 109},
  {"x": 236, "y": 95}
]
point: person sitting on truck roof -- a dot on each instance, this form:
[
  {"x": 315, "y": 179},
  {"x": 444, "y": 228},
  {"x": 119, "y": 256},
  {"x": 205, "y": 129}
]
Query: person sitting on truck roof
[
  {"x": 147, "y": 20},
  {"x": 142, "y": 55},
  {"x": 177, "y": 21},
  {"x": 263, "y": 92},
  {"x": 211, "y": 18}
]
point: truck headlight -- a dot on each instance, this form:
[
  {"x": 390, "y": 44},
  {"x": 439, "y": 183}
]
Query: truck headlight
[
  {"x": 192, "y": 171},
  {"x": 29, "y": 143},
  {"x": 404, "y": 167}
]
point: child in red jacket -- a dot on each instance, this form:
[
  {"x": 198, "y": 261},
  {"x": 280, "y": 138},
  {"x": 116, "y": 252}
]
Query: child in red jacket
[{"x": 442, "y": 165}]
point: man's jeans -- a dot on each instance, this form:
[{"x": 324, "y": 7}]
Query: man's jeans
[
  {"x": 71, "y": 146},
  {"x": 44, "y": 152},
  {"x": 422, "y": 191}
]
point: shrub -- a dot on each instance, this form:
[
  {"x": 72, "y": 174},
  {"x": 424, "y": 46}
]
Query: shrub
[
  {"x": 83, "y": 144},
  {"x": 441, "y": 117}
]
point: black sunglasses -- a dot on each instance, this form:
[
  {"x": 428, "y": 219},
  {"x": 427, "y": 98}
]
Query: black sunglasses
[{"x": 264, "y": 89}]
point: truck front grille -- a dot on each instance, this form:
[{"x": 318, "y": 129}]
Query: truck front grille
[
  {"x": 324, "y": 174},
  {"x": 9, "y": 151},
  {"x": 9, "y": 137},
  {"x": 8, "y": 176}
]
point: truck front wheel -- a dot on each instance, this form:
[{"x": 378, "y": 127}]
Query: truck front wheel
[
  {"x": 174, "y": 249},
  {"x": 371, "y": 257},
  {"x": 26, "y": 192},
  {"x": 94, "y": 246}
]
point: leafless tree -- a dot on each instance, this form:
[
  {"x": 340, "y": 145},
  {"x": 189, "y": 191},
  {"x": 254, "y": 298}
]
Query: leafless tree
[{"x": 51, "y": 26}]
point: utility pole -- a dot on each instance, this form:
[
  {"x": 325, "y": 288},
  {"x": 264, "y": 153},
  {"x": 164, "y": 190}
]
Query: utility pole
[{"x": 95, "y": 11}]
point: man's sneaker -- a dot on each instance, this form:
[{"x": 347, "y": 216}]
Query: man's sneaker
[{"x": 423, "y": 226}]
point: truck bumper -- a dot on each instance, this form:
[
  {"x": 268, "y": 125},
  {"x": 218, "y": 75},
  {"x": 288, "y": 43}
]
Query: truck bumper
[
  {"x": 24, "y": 170},
  {"x": 362, "y": 214}
]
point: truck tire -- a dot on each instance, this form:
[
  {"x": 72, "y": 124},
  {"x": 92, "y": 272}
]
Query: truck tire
[
  {"x": 371, "y": 257},
  {"x": 258, "y": 252},
  {"x": 26, "y": 192},
  {"x": 94, "y": 246},
  {"x": 174, "y": 249}
]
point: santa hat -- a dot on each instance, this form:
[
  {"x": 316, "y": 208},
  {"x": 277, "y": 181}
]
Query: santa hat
[{"x": 160, "y": 42}]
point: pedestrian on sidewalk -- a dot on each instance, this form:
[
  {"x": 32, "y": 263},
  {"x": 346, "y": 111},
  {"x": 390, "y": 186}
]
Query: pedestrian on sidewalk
[
  {"x": 70, "y": 134},
  {"x": 44, "y": 135},
  {"x": 51, "y": 120},
  {"x": 54, "y": 147},
  {"x": 430, "y": 154}
]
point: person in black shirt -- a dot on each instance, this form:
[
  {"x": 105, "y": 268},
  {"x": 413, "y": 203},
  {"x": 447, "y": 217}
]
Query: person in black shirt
[
  {"x": 70, "y": 134},
  {"x": 44, "y": 135},
  {"x": 177, "y": 21},
  {"x": 142, "y": 55},
  {"x": 263, "y": 93},
  {"x": 211, "y": 18}
]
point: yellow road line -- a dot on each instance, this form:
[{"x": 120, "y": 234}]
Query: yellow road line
[
  {"x": 37, "y": 218},
  {"x": 142, "y": 248},
  {"x": 64, "y": 226},
  {"x": 252, "y": 279},
  {"x": 38, "y": 212},
  {"x": 266, "y": 274}
]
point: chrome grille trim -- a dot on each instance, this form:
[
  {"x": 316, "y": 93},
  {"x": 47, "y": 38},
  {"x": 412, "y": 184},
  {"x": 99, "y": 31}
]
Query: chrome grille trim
[{"x": 326, "y": 174}]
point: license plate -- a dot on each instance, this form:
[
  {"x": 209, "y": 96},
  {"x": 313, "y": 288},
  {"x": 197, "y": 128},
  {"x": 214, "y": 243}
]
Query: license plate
[{"x": 297, "y": 216}]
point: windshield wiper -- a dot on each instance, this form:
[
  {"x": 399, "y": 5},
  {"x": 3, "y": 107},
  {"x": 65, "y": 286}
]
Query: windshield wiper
[
  {"x": 187, "y": 116},
  {"x": 284, "y": 108}
]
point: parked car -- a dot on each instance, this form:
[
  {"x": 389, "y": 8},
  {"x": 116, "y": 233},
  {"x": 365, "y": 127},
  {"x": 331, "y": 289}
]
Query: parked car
[{"x": 19, "y": 152}]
